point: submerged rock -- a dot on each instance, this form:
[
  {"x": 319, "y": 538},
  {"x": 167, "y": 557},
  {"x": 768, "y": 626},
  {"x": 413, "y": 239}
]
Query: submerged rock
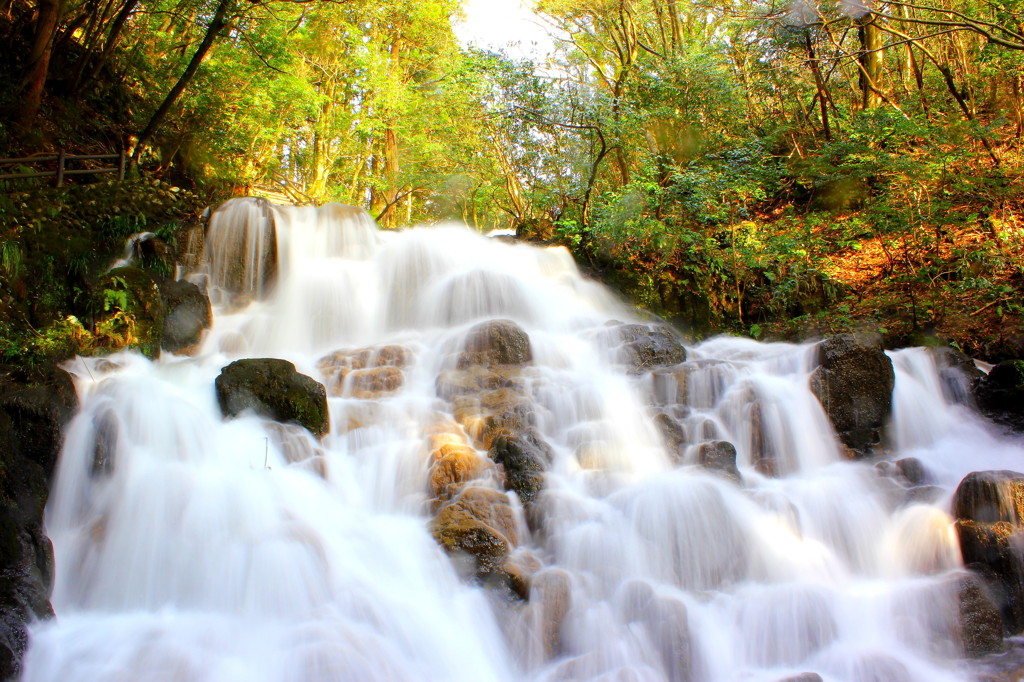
[
  {"x": 273, "y": 389},
  {"x": 719, "y": 456},
  {"x": 854, "y": 384},
  {"x": 989, "y": 508},
  {"x": 365, "y": 373},
  {"x": 646, "y": 347},
  {"x": 187, "y": 315},
  {"x": 1000, "y": 395},
  {"x": 959, "y": 374}
]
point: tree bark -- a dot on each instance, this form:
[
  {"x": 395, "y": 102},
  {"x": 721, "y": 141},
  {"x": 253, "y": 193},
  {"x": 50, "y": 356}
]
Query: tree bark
[
  {"x": 870, "y": 58},
  {"x": 39, "y": 59},
  {"x": 108, "y": 47},
  {"x": 819, "y": 82},
  {"x": 217, "y": 24}
]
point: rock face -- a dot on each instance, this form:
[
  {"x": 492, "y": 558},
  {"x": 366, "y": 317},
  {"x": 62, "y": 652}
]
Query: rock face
[
  {"x": 989, "y": 511},
  {"x": 275, "y": 390},
  {"x": 33, "y": 411},
  {"x": 854, "y": 384},
  {"x": 480, "y": 523},
  {"x": 1000, "y": 395},
  {"x": 525, "y": 456},
  {"x": 187, "y": 315}
]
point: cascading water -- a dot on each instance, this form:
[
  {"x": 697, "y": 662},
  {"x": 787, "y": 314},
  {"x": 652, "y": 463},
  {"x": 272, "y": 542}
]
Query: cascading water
[{"x": 190, "y": 547}]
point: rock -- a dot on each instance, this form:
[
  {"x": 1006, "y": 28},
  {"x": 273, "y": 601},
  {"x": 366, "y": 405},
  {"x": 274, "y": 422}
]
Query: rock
[
  {"x": 273, "y": 389},
  {"x": 990, "y": 497},
  {"x": 646, "y": 347},
  {"x": 959, "y": 374},
  {"x": 365, "y": 373},
  {"x": 35, "y": 405},
  {"x": 719, "y": 456},
  {"x": 854, "y": 385},
  {"x": 453, "y": 462},
  {"x": 187, "y": 315},
  {"x": 480, "y": 523},
  {"x": 802, "y": 677},
  {"x": 980, "y": 626},
  {"x": 129, "y": 311},
  {"x": 1000, "y": 395},
  {"x": 672, "y": 434},
  {"x": 496, "y": 343},
  {"x": 551, "y": 590},
  {"x": 912, "y": 471},
  {"x": 989, "y": 508},
  {"x": 525, "y": 456}
]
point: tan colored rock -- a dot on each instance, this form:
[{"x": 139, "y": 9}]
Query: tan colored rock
[
  {"x": 365, "y": 373},
  {"x": 479, "y": 522}
]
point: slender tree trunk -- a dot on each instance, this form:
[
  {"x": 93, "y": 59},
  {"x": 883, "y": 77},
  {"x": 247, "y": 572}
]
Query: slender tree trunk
[
  {"x": 108, "y": 48},
  {"x": 39, "y": 59},
  {"x": 819, "y": 82},
  {"x": 870, "y": 58},
  {"x": 217, "y": 24}
]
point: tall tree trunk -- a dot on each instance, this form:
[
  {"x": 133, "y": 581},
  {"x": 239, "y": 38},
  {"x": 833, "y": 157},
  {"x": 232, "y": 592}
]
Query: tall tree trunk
[
  {"x": 217, "y": 24},
  {"x": 819, "y": 82},
  {"x": 870, "y": 59},
  {"x": 39, "y": 59}
]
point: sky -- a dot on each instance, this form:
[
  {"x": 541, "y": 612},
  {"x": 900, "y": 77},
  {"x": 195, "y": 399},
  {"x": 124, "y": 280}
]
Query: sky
[{"x": 503, "y": 24}]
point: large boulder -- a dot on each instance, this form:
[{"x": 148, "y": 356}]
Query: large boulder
[
  {"x": 719, "y": 456},
  {"x": 854, "y": 384},
  {"x": 989, "y": 509},
  {"x": 1000, "y": 395},
  {"x": 495, "y": 343},
  {"x": 273, "y": 389},
  {"x": 187, "y": 315},
  {"x": 34, "y": 408}
]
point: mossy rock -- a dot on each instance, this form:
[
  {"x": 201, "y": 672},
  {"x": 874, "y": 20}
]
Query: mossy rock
[
  {"x": 188, "y": 314},
  {"x": 273, "y": 389},
  {"x": 129, "y": 311}
]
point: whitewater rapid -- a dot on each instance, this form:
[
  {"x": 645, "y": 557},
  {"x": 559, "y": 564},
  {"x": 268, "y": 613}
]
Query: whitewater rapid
[{"x": 199, "y": 548}]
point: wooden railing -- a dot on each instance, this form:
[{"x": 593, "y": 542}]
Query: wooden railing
[{"x": 61, "y": 171}]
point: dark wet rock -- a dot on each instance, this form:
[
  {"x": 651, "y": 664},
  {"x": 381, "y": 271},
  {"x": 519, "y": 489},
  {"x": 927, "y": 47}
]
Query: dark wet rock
[
  {"x": 480, "y": 523},
  {"x": 1000, "y": 395},
  {"x": 924, "y": 494},
  {"x": 854, "y": 384},
  {"x": 646, "y": 347},
  {"x": 959, "y": 374},
  {"x": 365, "y": 373},
  {"x": 273, "y": 389},
  {"x": 525, "y": 456},
  {"x": 129, "y": 310},
  {"x": 912, "y": 470},
  {"x": 496, "y": 343},
  {"x": 979, "y": 624},
  {"x": 35, "y": 405},
  {"x": 802, "y": 677},
  {"x": 719, "y": 456},
  {"x": 989, "y": 507},
  {"x": 187, "y": 315},
  {"x": 672, "y": 433},
  {"x": 990, "y": 497},
  {"x": 762, "y": 454}
]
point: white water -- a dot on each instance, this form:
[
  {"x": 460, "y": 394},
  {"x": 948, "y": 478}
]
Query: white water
[{"x": 202, "y": 553}]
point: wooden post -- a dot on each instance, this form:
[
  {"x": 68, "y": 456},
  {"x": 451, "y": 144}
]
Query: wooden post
[
  {"x": 60, "y": 169},
  {"x": 120, "y": 166}
]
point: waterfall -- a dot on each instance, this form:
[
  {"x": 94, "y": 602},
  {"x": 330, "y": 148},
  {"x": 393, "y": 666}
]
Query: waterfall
[{"x": 192, "y": 547}]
